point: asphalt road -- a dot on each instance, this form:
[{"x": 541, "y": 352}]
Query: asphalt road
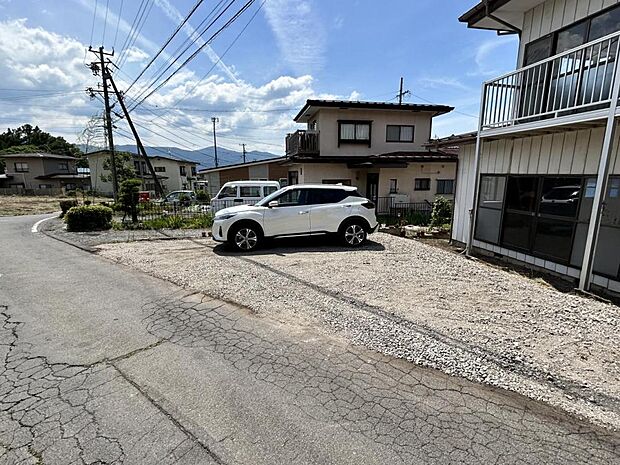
[{"x": 101, "y": 364}]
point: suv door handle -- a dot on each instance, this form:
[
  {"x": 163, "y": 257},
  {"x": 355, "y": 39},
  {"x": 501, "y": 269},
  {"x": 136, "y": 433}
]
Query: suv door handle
[
  {"x": 304, "y": 212},
  {"x": 347, "y": 206}
]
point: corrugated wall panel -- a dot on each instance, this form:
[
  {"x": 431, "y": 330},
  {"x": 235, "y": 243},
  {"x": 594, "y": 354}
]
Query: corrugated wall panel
[
  {"x": 594, "y": 151},
  {"x": 545, "y": 154},
  {"x": 570, "y": 7},
  {"x": 534, "y": 154},
  {"x": 568, "y": 152},
  {"x": 516, "y": 156},
  {"x": 595, "y": 5},
  {"x": 526, "y": 152}
]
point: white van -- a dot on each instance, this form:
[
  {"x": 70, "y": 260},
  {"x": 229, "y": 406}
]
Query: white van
[{"x": 242, "y": 193}]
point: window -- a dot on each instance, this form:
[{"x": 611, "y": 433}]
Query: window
[
  {"x": 63, "y": 166},
  {"x": 592, "y": 28},
  {"x": 182, "y": 170},
  {"x": 193, "y": 170},
  {"x": 136, "y": 167},
  {"x": 393, "y": 186},
  {"x": 293, "y": 177},
  {"x": 143, "y": 165},
  {"x": 45, "y": 186},
  {"x": 445, "y": 186},
  {"x": 521, "y": 193},
  {"x": 159, "y": 169},
  {"x": 150, "y": 186},
  {"x": 560, "y": 196},
  {"x": 268, "y": 190},
  {"x": 21, "y": 167},
  {"x": 490, "y": 205},
  {"x": 394, "y": 133},
  {"x": 292, "y": 198},
  {"x": 249, "y": 191},
  {"x": 228, "y": 192},
  {"x": 354, "y": 132},
  {"x": 344, "y": 182},
  {"x": 422, "y": 184},
  {"x": 322, "y": 196}
]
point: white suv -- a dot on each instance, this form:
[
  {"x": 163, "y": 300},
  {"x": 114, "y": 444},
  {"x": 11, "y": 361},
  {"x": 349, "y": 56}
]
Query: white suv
[{"x": 296, "y": 211}]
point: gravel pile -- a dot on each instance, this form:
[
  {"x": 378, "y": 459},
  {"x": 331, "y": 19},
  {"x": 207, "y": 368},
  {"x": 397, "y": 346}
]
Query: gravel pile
[{"x": 418, "y": 302}]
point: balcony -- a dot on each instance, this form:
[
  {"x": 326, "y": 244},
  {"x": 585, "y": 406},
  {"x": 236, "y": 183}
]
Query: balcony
[
  {"x": 302, "y": 143},
  {"x": 573, "y": 87}
]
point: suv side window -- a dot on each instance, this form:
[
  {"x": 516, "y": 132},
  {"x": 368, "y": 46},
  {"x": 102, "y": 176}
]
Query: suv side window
[
  {"x": 323, "y": 196},
  {"x": 293, "y": 197}
]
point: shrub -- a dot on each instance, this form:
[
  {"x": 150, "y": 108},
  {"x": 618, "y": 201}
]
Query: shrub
[
  {"x": 417, "y": 219},
  {"x": 442, "y": 212},
  {"x": 199, "y": 221},
  {"x": 128, "y": 197},
  {"x": 65, "y": 205},
  {"x": 89, "y": 218},
  {"x": 203, "y": 196}
]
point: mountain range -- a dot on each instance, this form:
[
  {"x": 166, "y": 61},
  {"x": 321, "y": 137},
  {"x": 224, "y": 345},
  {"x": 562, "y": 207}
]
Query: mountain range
[{"x": 205, "y": 156}]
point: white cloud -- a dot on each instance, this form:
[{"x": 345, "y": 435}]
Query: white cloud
[
  {"x": 300, "y": 33},
  {"x": 485, "y": 56},
  {"x": 442, "y": 82},
  {"x": 136, "y": 55}
]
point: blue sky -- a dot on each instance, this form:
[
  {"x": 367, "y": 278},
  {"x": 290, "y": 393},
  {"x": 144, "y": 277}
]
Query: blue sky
[{"x": 291, "y": 51}]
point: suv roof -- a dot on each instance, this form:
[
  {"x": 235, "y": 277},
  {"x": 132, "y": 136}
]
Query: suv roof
[
  {"x": 322, "y": 186},
  {"x": 241, "y": 183}
]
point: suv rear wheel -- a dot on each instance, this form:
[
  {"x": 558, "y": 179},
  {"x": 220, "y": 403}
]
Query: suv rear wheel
[
  {"x": 245, "y": 237},
  {"x": 353, "y": 233}
]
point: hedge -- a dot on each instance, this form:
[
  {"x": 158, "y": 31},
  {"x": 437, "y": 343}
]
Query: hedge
[
  {"x": 89, "y": 218},
  {"x": 65, "y": 205}
]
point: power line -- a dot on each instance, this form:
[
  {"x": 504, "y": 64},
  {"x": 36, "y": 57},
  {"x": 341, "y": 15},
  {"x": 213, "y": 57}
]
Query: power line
[
  {"x": 153, "y": 81},
  {"x": 176, "y": 31},
  {"x": 118, "y": 22},
  {"x": 142, "y": 14},
  {"x": 105, "y": 21},
  {"x": 92, "y": 28},
  {"x": 455, "y": 111}
]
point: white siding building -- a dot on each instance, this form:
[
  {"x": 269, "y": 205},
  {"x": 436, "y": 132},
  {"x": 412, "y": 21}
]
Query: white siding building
[{"x": 541, "y": 178}]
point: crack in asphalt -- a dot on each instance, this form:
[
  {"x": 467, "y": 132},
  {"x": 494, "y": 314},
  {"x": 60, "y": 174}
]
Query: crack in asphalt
[{"x": 412, "y": 411}]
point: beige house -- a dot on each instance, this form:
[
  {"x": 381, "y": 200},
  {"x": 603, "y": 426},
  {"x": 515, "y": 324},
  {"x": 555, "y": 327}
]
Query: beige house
[
  {"x": 539, "y": 182},
  {"x": 173, "y": 173},
  {"x": 270, "y": 169},
  {"x": 379, "y": 147},
  {"x": 42, "y": 172}
]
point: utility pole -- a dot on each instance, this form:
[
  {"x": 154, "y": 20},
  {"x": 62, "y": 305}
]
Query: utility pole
[
  {"x": 159, "y": 191},
  {"x": 243, "y": 146},
  {"x": 108, "y": 120},
  {"x": 402, "y": 93},
  {"x": 215, "y": 120}
]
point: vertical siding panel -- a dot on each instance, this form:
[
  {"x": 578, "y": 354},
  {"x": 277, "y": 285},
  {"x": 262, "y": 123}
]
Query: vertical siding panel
[
  {"x": 595, "y": 5},
  {"x": 526, "y": 151},
  {"x": 537, "y": 16},
  {"x": 484, "y": 162},
  {"x": 582, "y": 9},
  {"x": 607, "y": 3},
  {"x": 469, "y": 193},
  {"x": 581, "y": 151},
  {"x": 545, "y": 23},
  {"x": 545, "y": 154},
  {"x": 527, "y": 27},
  {"x": 534, "y": 155},
  {"x": 556, "y": 153},
  {"x": 516, "y": 156},
  {"x": 558, "y": 15},
  {"x": 594, "y": 151},
  {"x": 510, "y": 146},
  {"x": 568, "y": 152},
  {"x": 570, "y": 8},
  {"x": 493, "y": 156}
]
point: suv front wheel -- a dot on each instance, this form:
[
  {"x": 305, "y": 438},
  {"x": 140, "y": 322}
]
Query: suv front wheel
[
  {"x": 245, "y": 237},
  {"x": 353, "y": 233}
]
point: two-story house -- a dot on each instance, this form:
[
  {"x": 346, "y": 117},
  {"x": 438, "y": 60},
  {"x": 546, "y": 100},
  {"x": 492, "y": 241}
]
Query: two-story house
[
  {"x": 173, "y": 173},
  {"x": 379, "y": 147},
  {"x": 539, "y": 183},
  {"x": 42, "y": 172}
]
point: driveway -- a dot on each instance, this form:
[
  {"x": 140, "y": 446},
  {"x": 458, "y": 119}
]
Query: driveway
[{"x": 103, "y": 364}]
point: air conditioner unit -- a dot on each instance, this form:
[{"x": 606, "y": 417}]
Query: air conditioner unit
[{"x": 399, "y": 198}]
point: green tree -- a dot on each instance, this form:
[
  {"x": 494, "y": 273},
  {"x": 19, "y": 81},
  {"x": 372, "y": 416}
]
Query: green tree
[
  {"x": 442, "y": 212},
  {"x": 128, "y": 197},
  {"x": 124, "y": 167}
]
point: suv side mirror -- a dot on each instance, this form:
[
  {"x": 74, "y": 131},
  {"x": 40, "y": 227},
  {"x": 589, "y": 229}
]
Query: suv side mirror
[{"x": 273, "y": 203}]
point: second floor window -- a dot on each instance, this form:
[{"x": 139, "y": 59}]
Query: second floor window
[
  {"x": 21, "y": 167},
  {"x": 193, "y": 170},
  {"x": 354, "y": 132},
  {"x": 63, "y": 166},
  {"x": 396, "y": 133},
  {"x": 422, "y": 184},
  {"x": 160, "y": 169},
  {"x": 182, "y": 170},
  {"x": 393, "y": 186},
  {"x": 136, "y": 167},
  {"x": 445, "y": 186}
]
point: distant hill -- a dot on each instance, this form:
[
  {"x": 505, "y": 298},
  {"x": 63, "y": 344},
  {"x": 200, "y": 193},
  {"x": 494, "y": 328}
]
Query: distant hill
[{"x": 205, "y": 156}]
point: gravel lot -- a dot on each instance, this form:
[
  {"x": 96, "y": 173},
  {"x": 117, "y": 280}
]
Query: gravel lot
[{"x": 422, "y": 303}]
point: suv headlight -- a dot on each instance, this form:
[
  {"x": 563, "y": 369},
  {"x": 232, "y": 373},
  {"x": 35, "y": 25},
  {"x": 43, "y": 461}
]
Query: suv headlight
[{"x": 225, "y": 216}]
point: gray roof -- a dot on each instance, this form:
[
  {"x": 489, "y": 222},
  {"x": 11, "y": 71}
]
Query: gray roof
[{"x": 37, "y": 155}]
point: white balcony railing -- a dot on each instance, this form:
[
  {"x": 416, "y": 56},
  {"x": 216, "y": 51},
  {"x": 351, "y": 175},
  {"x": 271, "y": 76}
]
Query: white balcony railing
[{"x": 575, "y": 81}]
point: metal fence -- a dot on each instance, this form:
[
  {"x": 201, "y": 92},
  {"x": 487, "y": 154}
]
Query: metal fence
[
  {"x": 386, "y": 206},
  {"x": 148, "y": 211},
  {"x": 219, "y": 204}
]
